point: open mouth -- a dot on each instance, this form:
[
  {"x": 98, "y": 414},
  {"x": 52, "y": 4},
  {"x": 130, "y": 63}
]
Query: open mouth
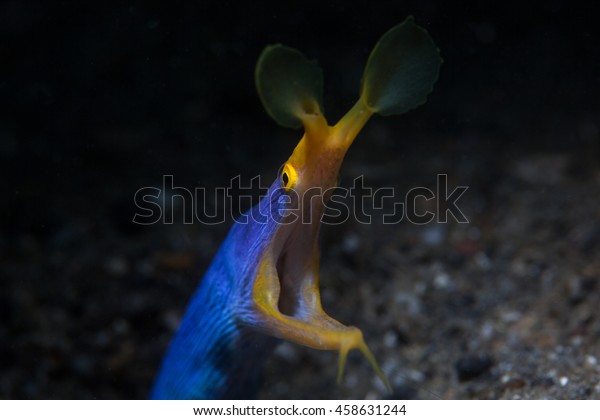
[
  {"x": 289, "y": 292},
  {"x": 287, "y": 298},
  {"x": 297, "y": 267}
]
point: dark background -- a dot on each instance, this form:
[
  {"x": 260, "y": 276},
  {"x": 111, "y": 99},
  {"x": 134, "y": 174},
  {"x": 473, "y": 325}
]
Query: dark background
[{"x": 99, "y": 99}]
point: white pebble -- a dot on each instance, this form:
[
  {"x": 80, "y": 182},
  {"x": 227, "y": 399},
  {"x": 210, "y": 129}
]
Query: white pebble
[
  {"x": 390, "y": 339},
  {"x": 415, "y": 375},
  {"x": 351, "y": 244},
  {"x": 287, "y": 352},
  {"x": 434, "y": 235},
  {"x": 442, "y": 281},
  {"x": 487, "y": 330},
  {"x": 371, "y": 396},
  {"x": 483, "y": 261},
  {"x": 511, "y": 316},
  {"x": 564, "y": 381}
]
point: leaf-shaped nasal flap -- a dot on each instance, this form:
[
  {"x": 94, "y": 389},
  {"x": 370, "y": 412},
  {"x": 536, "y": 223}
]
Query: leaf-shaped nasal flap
[
  {"x": 289, "y": 85},
  {"x": 401, "y": 70}
]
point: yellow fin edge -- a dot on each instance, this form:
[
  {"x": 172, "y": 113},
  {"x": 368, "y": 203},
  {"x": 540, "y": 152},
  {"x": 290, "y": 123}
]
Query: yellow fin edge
[{"x": 364, "y": 349}]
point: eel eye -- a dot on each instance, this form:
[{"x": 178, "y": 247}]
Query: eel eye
[{"x": 288, "y": 176}]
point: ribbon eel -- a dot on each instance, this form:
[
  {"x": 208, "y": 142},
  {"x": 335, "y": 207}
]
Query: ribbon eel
[{"x": 263, "y": 284}]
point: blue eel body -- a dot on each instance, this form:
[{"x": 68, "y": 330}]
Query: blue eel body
[{"x": 213, "y": 355}]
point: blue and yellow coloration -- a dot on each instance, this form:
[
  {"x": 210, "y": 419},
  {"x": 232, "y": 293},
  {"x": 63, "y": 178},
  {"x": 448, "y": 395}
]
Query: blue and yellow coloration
[{"x": 264, "y": 281}]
